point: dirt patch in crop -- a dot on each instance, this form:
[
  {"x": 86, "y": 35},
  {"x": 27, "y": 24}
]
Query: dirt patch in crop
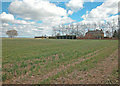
[
  {"x": 35, "y": 79},
  {"x": 98, "y": 75},
  {"x": 30, "y": 63}
]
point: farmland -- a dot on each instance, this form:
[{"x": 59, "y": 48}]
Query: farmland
[{"x": 36, "y": 61}]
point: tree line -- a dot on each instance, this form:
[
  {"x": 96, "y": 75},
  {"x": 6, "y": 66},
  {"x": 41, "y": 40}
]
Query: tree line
[{"x": 79, "y": 29}]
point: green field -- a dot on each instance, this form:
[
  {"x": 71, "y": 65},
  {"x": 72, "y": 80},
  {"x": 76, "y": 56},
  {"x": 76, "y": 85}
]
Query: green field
[{"x": 36, "y": 60}]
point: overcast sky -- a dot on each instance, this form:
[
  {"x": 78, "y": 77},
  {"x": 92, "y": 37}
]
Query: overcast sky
[{"x": 37, "y": 17}]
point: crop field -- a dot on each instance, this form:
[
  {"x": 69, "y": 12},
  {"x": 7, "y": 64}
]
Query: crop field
[{"x": 44, "y": 61}]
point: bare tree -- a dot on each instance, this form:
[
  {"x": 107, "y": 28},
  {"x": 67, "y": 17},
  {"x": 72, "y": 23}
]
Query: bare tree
[
  {"x": 71, "y": 29},
  {"x": 80, "y": 30},
  {"x": 67, "y": 29},
  {"x": 62, "y": 28},
  {"x": 55, "y": 31},
  {"x": 12, "y": 33},
  {"x": 77, "y": 30},
  {"x": 108, "y": 33}
]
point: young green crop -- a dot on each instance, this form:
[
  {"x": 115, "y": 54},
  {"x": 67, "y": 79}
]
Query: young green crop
[
  {"x": 83, "y": 66},
  {"x": 23, "y": 56}
]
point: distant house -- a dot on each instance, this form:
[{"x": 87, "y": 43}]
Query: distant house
[
  {"x": 95, "y": 34},
  {"x": 66, "y": 37}
]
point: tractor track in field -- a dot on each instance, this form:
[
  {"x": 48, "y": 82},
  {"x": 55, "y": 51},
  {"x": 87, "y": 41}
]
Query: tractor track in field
[
  {"x": 98, "y": 75},
  {"x": 33, "y": 79}
]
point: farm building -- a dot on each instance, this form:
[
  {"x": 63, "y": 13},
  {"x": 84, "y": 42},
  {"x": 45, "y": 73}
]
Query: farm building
[
  {"x": 57, "y": 37},
  {"x": 95, "y": 34},
  {"x": 66, "y": 37},
  {"x": 52, "y": 37},
  {"x": 41, "y": 37}
]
